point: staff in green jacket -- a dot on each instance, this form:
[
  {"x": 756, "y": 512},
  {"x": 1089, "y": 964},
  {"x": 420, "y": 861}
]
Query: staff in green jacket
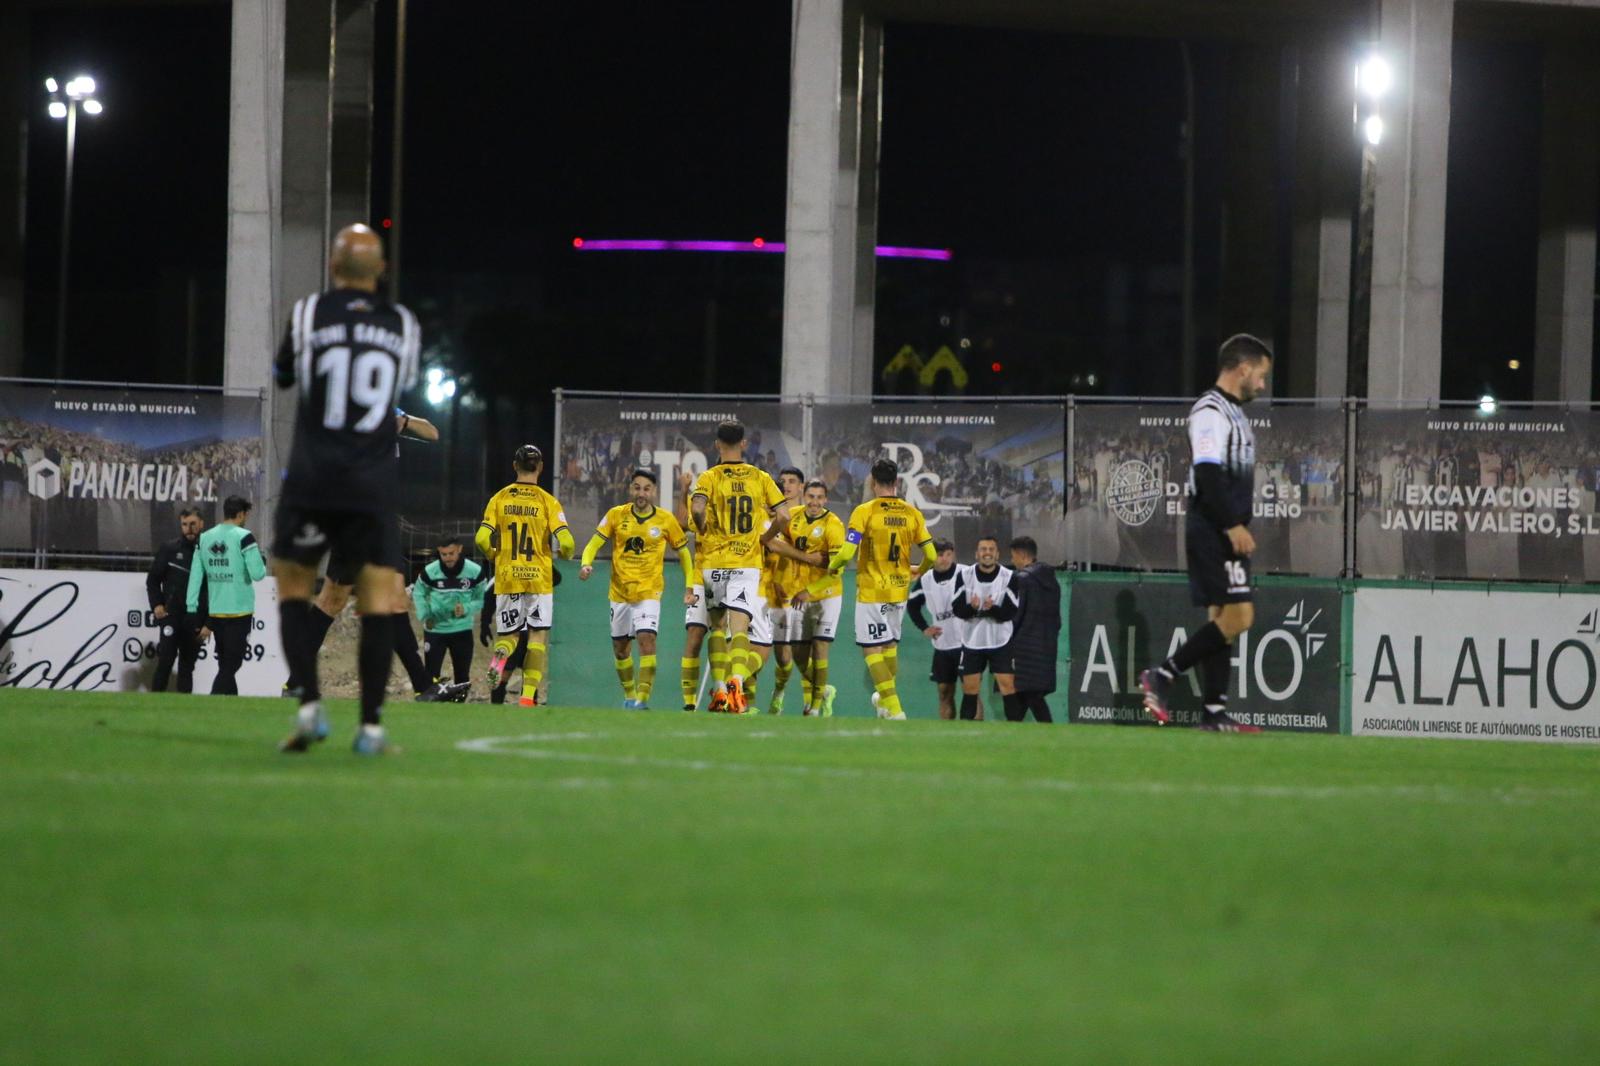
[
  {"x": 449, "y": 595},
  {"x": 227, "y": 562}
]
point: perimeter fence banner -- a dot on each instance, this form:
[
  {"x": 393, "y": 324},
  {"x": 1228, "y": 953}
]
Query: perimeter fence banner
[
  {"x": 1456, "y": 494},
  {"x": 1482, "y": 664},
  {"x": 602, "y": 441},
  {"x": 1129, "y": 476},
  {"x": 1286, "y": 672},
  {"x": 107, "y": 469},
  {"x": 94, "y": 632},
  {"x": 972, "y": 470}
]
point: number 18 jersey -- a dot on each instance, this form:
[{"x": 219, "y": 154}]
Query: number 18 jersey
[
  {"x": 739, "y": 503},
  {"x": 524, "y": 517},
  {"x": 350, "y": 354}
]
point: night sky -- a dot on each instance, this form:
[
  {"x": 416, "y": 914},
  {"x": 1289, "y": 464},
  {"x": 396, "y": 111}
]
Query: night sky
[{"x": 1047, "y": 162}]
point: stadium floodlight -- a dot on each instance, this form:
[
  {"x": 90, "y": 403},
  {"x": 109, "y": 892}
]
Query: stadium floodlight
[
  {"x": 1372, "y": 129},
  {"x": 440, "y": 387},
  {"x": 1487, "y": 404},
  {"x": 1374, "y": 77},
  {"x": 78, "y": 91}
]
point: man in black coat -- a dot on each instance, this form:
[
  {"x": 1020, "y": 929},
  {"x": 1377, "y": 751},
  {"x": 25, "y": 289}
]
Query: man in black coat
[
  {"x": 1034, "y": 633},
  {"x": 166, "y": 586}
]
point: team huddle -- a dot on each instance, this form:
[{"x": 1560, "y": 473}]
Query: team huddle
[{"x": 762, "y": 580}]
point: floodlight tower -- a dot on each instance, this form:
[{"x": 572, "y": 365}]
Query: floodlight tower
[{"x": 78, "y": 93}]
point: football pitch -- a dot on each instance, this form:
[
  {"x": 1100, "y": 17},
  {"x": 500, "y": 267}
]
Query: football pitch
[{"x": 567, "y": 884}]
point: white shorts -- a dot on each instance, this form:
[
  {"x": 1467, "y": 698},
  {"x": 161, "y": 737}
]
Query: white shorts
[
  {"x": 785, "y": 624},
  {"x": 695, "y": 615},
  {"x": 631, "y": 619},
  {"x": 761, "y": 627},
  {"x": 819, "y": 619},
  {"x": 516, "y": 611},
  {"x": 736, "y": 590},
  {"x": 878, "y": 623}
]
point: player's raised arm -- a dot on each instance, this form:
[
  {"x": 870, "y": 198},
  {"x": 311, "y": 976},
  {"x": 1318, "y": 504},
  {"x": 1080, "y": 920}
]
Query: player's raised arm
[
  {"x": 679, "y": 540},
  {"x": 414, "y": 426}
]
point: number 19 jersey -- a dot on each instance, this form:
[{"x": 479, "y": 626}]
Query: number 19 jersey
[
  {"x": 524, "y": 517},
  {"x": 350, "y": 354},
  {"x": 888, "y": 533},
  {"x": 739, "y": 503}
]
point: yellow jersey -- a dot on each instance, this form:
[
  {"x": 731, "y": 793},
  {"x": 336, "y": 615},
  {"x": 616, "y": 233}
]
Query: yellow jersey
[
  {"x": 823, "y": 534},
  {"x": 639, "y": 550},
  {"x": 523, "y": 517},
  {"x": 740, "y": 499},
  {"x": 887, "y": 531}
]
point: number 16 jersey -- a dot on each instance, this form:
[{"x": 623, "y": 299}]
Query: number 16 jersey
[
  {"x": 739, "y": 503},
  {"x": 523, "y": 517},
  {"x": 350, "y": 354}
]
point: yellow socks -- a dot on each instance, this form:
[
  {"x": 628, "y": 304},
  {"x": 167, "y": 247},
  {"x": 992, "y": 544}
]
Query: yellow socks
[
  {"x": 819, "y": 680},
  {"x": 891, "y": 655},
  {"x": 718, "y": 644},
  {"x": 625, "y": 675},
  {"x": 503, "y": 647},
  {"x": 739, "y": 657},
  {"x": 647, "y": 679},
  {"x": 690, "y": 679},
  {"x": 883, "y": 681},
  {"x": 533, "y": 664}
]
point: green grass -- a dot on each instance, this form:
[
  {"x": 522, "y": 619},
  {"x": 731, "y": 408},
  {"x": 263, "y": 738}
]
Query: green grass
[{"x": 667, "y": 887}]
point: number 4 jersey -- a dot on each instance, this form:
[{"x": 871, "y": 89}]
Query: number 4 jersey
[
  {"x": 351, "y": 354},
  {"x": 523, "y": 518}
]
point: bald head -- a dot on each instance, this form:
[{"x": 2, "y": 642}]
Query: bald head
[{"x": 357, "y": 258}]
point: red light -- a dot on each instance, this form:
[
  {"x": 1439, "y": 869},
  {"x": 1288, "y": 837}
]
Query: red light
[
  {"x": 577, "y": 242},
  {"x": 388, "y": 222},
  {"x": 996, "y": 367},
  {"x": 759, "y": 243}
]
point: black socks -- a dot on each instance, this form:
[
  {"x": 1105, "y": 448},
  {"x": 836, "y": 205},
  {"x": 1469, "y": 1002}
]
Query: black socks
[
  {"x": 377, "y": 653},
  {"x": 1206, "y": 640},
  {"x": 295, "y": 623}
]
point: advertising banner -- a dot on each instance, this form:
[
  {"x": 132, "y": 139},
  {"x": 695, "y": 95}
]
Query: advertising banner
[
  {"x": 93, "y": 632},
  {"x": 604, "y": 440},
  {"x": 1285, "y": 669},
  {"x": 972, "y": 470},
  {"x": 1458, "y": 494},
  {"x": 1476, "y": 665},
  {"x": 107, "y": 470},
  {"x": 1130, "y": 471}
]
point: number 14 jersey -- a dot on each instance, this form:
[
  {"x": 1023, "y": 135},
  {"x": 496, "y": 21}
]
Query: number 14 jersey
[
  {"x": 523, "y": 518},
  {"x": 350, "y": 354}
]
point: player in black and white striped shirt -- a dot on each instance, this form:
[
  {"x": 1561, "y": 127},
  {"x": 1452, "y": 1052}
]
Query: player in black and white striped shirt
[{"x": 1217, "y": 534}]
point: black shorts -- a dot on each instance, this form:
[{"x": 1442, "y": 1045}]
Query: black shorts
[
  {"x": 1216, "y": 574},
  {"x": 946, "y": 666},
  {"x": 355, "y": 539},
  {"x": 995, "y": 660}
]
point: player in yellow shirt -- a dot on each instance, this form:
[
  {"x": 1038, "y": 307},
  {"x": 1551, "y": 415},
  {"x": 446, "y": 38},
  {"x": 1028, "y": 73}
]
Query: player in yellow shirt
[
  {"x": 814, "y": 620},
  {"x": 770, "y": 626},
  {"x": 518, "y": 523},
  {"x": 885, "y": 530},
  {"x": 738, "y": 511},
  {"x": 640, "y": 533}
]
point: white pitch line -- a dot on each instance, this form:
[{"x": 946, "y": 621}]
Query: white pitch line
[{"x": 1420, "y": 793}]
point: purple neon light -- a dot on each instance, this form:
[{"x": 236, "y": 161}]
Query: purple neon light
[{"x": 885, "y": 251}]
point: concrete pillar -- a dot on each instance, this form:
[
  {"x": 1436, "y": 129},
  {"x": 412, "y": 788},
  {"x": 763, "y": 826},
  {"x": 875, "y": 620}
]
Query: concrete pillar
[
  {"x": 833, "y": 137},
  {"x": 1249, "y": 265},
  {"x": 1563, "y": 361},
  {"x": 1327, "y": 165},
  {"x": 15, "y": 96},
  {"x": 1408, "y": 202},
  {"x": 350, "y": 154}
]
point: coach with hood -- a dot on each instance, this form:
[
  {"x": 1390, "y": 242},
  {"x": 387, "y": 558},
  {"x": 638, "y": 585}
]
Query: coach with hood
[{"x": 1034, "y": 632}]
